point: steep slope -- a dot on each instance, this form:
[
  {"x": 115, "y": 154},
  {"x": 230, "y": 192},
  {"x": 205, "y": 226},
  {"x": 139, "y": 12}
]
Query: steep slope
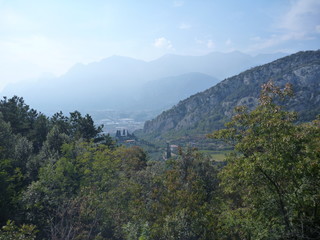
[{"x": 208, "y": 110}]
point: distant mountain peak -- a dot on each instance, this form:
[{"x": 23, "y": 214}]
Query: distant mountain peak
[{"x": 115, "y": 81}]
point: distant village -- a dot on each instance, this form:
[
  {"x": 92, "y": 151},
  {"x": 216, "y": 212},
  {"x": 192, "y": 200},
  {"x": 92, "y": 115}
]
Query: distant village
[{"x": 124, "y": 137}]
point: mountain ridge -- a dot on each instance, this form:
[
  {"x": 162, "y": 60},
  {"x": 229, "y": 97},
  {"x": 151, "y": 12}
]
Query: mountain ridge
[
  {"x": 115, "y": 82},
  {"x": 208, "y": 110}
]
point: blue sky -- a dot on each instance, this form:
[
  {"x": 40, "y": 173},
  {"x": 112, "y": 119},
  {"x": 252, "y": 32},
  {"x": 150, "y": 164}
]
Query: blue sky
[{"x": 42, "y": 36}]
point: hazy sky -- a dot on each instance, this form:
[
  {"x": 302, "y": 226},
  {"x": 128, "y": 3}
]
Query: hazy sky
[{"x": 50, "y": 36}]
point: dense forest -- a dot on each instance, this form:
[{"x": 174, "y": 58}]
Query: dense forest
[{"x": 61, "y": 179}]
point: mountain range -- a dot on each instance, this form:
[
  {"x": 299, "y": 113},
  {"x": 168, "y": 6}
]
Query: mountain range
[
  {"x": 207, "y": 111},
  {"x": 124, "y": 84}
]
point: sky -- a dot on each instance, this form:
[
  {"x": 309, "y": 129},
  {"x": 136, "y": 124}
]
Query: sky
[{"x": 43, "y": 37}]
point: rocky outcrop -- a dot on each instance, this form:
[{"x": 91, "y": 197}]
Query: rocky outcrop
[{"x": 208, "y": 110}]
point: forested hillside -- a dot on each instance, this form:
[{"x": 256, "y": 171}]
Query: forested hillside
[
  {"x": 61, "y": 180},
  {"x": 209, "y": 110}
]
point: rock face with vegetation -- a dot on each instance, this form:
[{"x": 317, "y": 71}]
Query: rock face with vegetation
[{"x": 208, "y": 110}]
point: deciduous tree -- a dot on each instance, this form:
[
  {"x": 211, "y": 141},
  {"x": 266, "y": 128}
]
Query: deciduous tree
[{"x": 273, "y": 175}]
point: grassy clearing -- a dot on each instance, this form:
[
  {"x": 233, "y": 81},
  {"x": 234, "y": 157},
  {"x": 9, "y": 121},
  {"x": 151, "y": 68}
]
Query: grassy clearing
[{"x": 218, "y": 156}]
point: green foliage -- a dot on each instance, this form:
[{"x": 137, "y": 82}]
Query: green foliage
[
  {"x": 273, "y": 176},
  {"x": 184, "y": 199},
  {"x": 12, "y": 232},
  {"x": 83, "y": 127},
  {"x": 76, "y": 184},
  {"x": 88, "y": 186},
  {"x": 24, "y": 121},
  {"x": 114, "y": 193},
  {"x": 18, "y": 114},
  {"x": 30, "y": 141},
  {"x": 14, "y": 151}
]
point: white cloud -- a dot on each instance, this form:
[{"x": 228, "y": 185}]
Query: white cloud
[
  {"x": 184, "y": 26},
  {"x": 300, "y": 22},
  {"x": 178, "y": 3},
  {"x": 274, "y": 40},
  {"x": 162, "y": 43},
  {"x": 302, "y": 17}
]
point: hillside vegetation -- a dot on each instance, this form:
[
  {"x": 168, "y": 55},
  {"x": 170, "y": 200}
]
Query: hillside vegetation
[
  {"x": 209, "y": 110},
  {"x": 61, "y": 179}
]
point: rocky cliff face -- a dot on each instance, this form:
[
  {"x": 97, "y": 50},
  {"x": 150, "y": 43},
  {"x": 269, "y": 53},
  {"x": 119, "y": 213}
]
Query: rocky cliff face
[{"x": 208, "y": 110}]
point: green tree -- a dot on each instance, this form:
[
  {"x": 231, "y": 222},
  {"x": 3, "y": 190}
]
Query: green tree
[
  {"x": 61, "y": 121},
  {"x": 25, "y": 121},
  {"x": 18, "y": 114},
  {"x": 182, "y": 200},
  {"x": 39, "y": 131},
  {"x": 12, "y": 232},
  {"x": 273, "y": 176},
  {"x": 88, "y": 191},
  {"x": 76, "y": 126},
  {"x": 15, "y": 151},
  {"x": 83, "y": 127},
  {"x": 6, "y": 170}
]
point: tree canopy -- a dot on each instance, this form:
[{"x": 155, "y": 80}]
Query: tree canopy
[
  {"x": 61, "y": 179},
  {"x": 273, "y": 175}
]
